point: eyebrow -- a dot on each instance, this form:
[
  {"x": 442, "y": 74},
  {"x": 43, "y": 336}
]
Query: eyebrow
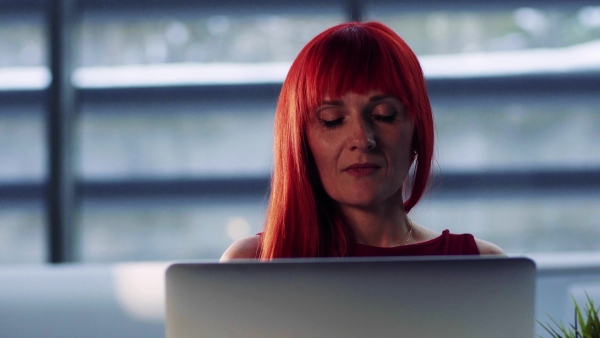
[
  {"x": 371, "y": 99},
  {"x": 332, "y": 103},
  {"x": 380, "y": 97},
  {"x": 340, "y": 103},
  {"x": 335, "y": 103}
]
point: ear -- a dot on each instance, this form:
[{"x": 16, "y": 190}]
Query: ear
[{"x": 414, "y": 147}]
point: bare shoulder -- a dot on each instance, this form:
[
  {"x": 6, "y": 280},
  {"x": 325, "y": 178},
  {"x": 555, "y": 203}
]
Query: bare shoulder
[
  {"x": 245, "y": 248},
  {"x": 423, "y": 234},
  {"x": 487, "y": 248}
]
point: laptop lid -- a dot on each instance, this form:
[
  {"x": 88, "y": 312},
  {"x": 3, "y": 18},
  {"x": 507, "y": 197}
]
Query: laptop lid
[{"x": 368, "y": 297}]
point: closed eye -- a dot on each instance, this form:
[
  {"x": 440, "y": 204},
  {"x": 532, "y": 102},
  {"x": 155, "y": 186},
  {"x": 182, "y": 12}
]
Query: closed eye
[
  {"x": 330, "y": 124},
  {"x": 384, "y": 113},
  {"x": 385, "y": 118}
]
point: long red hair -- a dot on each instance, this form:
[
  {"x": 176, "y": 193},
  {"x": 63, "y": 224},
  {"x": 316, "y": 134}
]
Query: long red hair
[{"x": 301, "y": 219}]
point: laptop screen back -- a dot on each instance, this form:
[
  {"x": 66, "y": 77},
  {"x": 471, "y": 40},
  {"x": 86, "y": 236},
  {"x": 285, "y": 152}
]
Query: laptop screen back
[{"x": 398, "y": 297}]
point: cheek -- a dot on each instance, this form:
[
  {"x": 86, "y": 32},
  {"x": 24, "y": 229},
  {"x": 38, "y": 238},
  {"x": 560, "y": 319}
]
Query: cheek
[
  {"x": 404, "y": 149},
  {"x": 324, "y": 154},
  {"x": 315, "y": 145},
  {"x": 321, "y": 156}
]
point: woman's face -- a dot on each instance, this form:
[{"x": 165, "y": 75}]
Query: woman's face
[{"x": 362, "y": 148}]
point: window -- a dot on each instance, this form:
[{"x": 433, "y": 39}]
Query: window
[
  {"x": 211, "y": 121},
  {"x": 22, "y": 139},
  {"x": 173, "y": 127}
]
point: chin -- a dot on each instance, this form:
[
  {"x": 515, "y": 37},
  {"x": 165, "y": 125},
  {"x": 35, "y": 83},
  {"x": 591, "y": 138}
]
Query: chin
[
  {"x": 362, "y": 201},
  {"x": 365, "y": 199}
]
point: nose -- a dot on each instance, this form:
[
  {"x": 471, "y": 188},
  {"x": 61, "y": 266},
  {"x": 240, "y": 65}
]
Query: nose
[{"x": 362, "y": 136}]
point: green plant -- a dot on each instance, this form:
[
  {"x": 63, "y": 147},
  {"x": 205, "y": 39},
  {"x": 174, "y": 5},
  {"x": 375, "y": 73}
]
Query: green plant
[{"x": 586, "y": 324}]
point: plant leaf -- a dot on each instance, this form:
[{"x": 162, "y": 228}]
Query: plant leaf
[
  {"x": 550, "y": 330},
  {"x": 586, "y": 323}
]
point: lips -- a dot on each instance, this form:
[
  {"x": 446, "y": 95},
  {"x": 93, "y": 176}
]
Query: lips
[{"x": 362, "y": 169}]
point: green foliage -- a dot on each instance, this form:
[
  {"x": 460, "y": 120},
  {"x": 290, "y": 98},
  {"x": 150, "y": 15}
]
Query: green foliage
[{"x": 586, "y": 324}]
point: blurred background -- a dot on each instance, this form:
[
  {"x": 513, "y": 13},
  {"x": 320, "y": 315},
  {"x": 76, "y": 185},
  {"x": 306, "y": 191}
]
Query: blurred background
[{"x": 171, "y": 123}]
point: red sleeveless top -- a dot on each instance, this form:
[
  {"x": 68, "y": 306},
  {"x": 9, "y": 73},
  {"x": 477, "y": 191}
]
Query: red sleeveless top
[{"x": 445, "y": 244}]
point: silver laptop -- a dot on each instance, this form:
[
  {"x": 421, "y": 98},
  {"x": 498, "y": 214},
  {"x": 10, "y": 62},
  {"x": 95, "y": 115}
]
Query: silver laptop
[{"x": 370, "y": 297}]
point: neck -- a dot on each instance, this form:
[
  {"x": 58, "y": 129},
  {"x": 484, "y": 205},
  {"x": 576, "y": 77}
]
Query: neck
[{"x": 383, "y": 227}]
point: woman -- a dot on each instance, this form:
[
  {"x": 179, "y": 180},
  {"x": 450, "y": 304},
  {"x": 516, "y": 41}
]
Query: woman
[{"x": 353, "y": 118}]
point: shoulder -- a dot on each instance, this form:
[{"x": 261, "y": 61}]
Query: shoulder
[
  {"x": 245, "y": 248},
  {"x": 487, "y": 248},
  {"x": 484, "y": 247}
]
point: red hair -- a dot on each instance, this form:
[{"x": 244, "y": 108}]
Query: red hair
[{"x": 301, "y": 219}]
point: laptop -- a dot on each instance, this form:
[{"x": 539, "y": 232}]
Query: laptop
[{"x": 366, "y": 297}]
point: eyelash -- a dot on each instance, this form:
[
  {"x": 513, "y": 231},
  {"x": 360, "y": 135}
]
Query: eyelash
[
  {"x": 333, "y": 123},
  {"x": 386, "y": 118}
]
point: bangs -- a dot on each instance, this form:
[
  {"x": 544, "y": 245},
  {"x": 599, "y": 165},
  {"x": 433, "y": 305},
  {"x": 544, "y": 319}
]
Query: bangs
[{"x": 353, "y": 60}]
